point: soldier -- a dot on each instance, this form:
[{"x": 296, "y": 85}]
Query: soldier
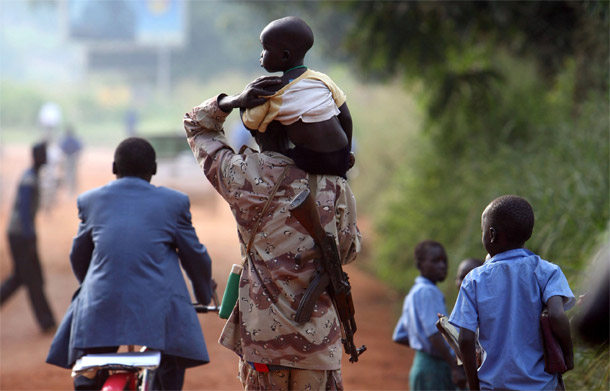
[{"x": 276, "y": 352}]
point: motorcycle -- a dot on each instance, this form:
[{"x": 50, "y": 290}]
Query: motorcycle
[{"x": 131, "y": 370}]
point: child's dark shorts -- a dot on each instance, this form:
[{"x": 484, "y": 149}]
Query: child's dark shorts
[{"x": 321, "y": 163}]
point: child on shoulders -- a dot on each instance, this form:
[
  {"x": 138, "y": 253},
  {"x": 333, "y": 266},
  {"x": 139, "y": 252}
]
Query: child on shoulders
[
  {"x": 504, "y": 298},
  {"x": 308, "y": 104}
]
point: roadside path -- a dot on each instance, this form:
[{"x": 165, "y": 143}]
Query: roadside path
[{"x": 23, "y": 348}]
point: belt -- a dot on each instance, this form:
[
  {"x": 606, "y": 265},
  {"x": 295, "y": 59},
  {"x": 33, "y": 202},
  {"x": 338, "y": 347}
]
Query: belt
[{"x": 266, "y": 368}]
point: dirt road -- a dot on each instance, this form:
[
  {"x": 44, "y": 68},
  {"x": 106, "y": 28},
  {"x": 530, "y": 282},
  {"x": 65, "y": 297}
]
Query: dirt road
[{"x": 23, "y": 348}]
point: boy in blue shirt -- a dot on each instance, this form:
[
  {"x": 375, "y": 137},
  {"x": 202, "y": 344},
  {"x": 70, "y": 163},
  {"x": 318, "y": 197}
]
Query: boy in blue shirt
[
  {"x": 434, "y": 366},
  {"x": 504, "y": 299}
]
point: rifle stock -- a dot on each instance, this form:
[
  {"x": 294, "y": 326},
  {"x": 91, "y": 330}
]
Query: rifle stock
[
  {"x": 331, "y": 276},
  {"x": 304, "y": 209}
]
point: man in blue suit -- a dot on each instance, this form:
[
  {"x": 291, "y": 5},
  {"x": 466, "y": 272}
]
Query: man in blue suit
[{"x": 131, "y": 241}]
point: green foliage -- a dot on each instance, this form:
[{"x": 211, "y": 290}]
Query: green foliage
[
  {"x": 514, "y": 106},
  {"x": 19, "y": 104},
  {"x": 517, "y": 100},
  {"x": 386, "y": 119},
  {"x": 420, "y": 37},
  {"x": 530, "y": 141},
  {"x": 591, "y": 369},
  {"x": 527, "y": 143},
  {"x": 453, "y": 46}
]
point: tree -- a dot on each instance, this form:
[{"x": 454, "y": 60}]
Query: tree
[
  {"x": 449, "y": 44},
  {"x": 517, "y": 102}
]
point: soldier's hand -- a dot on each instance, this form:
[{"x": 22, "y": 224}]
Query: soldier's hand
[{"x": 253, "y": 94}]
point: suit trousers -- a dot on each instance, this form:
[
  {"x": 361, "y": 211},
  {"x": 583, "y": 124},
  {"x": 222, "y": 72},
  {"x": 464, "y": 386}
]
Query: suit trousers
[{"x": 27, "y": 271}]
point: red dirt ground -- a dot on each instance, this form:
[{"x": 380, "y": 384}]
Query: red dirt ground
[{"x": 23, "y": 347}]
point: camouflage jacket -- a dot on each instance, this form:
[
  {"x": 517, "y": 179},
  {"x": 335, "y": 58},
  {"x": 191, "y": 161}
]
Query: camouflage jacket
[{"x": 261, "y": 328}]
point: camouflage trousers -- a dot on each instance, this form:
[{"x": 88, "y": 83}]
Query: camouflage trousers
[{"x": 289, "y": 379}]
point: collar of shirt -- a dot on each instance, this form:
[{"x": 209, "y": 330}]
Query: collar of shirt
[
  {"x": 507, "y": 255},
  {"x": 131, "y": 179},
  {"x": 423, "y": 280}
]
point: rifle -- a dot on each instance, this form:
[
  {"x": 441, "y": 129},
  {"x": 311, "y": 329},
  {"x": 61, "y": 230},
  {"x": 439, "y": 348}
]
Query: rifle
[{"x": 330, "y": 275}]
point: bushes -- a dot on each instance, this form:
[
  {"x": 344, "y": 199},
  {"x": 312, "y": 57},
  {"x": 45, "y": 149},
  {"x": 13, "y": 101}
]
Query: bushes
[
  {"x": 528, "y": 141},
  {"x": 590, "y": 369}
]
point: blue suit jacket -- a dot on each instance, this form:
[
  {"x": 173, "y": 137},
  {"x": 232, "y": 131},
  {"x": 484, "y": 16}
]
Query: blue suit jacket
[{"x": 132, "y": 238}]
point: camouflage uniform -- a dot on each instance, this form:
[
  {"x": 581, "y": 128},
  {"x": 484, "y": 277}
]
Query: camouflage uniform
[
  {"x": 289, "y": 379},
  {"x": 261, "y": 328}
]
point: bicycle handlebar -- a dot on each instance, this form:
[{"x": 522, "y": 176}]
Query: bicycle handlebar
[{"x": 204, "y": 309}]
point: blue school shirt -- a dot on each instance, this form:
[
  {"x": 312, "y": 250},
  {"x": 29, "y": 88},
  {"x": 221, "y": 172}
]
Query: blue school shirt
[
  {"x": 418, "y": 320},
  {"x": 504, "y": 298}
]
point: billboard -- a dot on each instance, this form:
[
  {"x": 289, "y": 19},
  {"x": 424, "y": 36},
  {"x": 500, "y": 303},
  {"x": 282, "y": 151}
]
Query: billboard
[{"x": 130, "y": 22}]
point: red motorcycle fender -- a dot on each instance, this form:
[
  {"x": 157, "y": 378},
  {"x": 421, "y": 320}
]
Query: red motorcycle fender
[{"x": 118, "y": 381}]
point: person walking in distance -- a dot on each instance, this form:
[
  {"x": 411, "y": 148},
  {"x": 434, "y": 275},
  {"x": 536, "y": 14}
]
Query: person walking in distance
[{"x": 22, "y": 239}]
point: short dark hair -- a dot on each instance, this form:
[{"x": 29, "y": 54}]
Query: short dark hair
[
  {"x": 422, "y": 249},
  {"x": 135, "y": 157},
  {"x": 475, "y": 261},
  {"x": 513, "y": 216},
  {"x": 38, "y": 149},
  {"x": 39, "y": 154},
  {"x": 294, "y": 32},
  {"x": 302, "y": 34}
]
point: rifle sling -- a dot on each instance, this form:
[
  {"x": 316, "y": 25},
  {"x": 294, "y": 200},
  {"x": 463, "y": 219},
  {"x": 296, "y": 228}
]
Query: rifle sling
[
  {"x": 255, "y": 230},
  {"x": 265, "y": 207}
]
